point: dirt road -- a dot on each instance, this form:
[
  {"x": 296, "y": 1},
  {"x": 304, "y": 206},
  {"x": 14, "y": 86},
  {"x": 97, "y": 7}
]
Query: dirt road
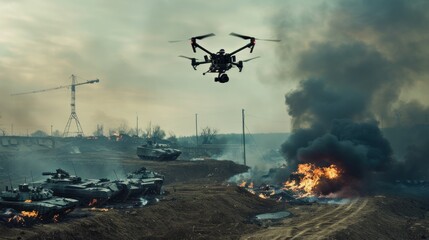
[{"x": 316, "y": 222}]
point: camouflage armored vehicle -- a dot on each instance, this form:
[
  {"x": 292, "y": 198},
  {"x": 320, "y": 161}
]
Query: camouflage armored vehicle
[
  {"x": 90, "y": 192},
  {"x": 158, "y": 152},
  {"x": 36, "y": 202},
  {"x": 145, "y": 182}
]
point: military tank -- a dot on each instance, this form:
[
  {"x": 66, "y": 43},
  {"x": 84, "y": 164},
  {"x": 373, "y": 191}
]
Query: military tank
[
  {"x": 144, "y": 182},
  {"x": 36, "y": 202},
  {"x": 158, "y": 152},
  {"x": 90, "y": 192}
]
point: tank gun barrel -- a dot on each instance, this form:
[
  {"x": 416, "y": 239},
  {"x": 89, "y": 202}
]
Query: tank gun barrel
[{"x": 48, "y": 173}]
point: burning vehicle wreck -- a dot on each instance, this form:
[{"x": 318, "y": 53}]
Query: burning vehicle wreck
[
  {"x": 97, "y": 192},
  {"x": 144, "y": 182},
  {"x": 35, "y": 203},
  {"x": 91, "y": 192},
  {"x": 51, "y": 199}
]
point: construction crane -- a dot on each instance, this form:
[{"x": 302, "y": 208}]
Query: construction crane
[{"x": 73, "y": 115}]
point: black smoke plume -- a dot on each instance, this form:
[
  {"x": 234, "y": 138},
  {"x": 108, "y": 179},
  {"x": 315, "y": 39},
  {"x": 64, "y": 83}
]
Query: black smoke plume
[{"x": 356, "y": 58}]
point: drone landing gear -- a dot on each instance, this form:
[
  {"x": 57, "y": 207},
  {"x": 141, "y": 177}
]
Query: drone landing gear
[{"x": 222, "y": 78}]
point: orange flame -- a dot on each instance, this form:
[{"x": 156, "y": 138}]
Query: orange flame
[
  {"x": 17, "y": 220},
  {"x": 250, "y": 185},
  {"x": 28, "y": 201},
  {"x": 251, "y": 191},
  {"x": 99, "y": 209},
  {"x": 262, "y": 196},
  {"x": 93, "y": 202},
  {"x": 310, "y": 178},
  {"x": 243, "y": 184},
  {"x": 31, "y": 214},
  {"x": 56, "y": 218}
]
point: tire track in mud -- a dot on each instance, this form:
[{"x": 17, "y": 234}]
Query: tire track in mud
[
  {"x": 318, "y": 227},
  {"x": 333, "y": 227},
  {"x": 321, "y": 220},
  {"x": 322, "y": 226}
]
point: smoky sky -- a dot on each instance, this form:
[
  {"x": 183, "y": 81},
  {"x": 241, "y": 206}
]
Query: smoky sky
[
  {"x": 356, "y": 64},
  {"x": 125, "y": 45},
  {"x": 367, "y": 53}
]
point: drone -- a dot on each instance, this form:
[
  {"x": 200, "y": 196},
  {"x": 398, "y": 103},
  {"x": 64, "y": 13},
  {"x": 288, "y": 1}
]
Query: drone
[{"x": 221, "y": 61}]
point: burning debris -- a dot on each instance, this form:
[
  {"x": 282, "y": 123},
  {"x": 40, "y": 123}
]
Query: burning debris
[
  {"x": 350, "y": 84},
  {"x": 13, "y": 218},
  {"x": 28, "y": 205},
  {"x": 97, "y": 192},
  {"x": 144, "y": 182},
  {"x": 94, "y": 209},
  {"x": 306, "y": 183},
  {"x": 309, "y": 179},
  {"x": 87, "y": 191}
]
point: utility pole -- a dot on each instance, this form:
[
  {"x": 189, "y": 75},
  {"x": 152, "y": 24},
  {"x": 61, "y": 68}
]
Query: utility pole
[
  {"x": 244, "y": 138},
  {"x": 196, "y": 127},
  {"x": 11, "y": 129},
  {"x": 51, "y": 129},
  {"x": 137, "y": 127}
]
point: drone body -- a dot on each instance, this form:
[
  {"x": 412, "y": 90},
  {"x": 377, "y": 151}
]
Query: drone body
[{"x": 221, "y": 61}]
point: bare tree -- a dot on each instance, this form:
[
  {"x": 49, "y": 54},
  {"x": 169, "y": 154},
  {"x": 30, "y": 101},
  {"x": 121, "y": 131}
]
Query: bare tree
[
  {"x": 172, "y": 138},
  {"x": 56, "y": 133},
  {"x": 208, "y": 135},
  {"x": 100, "y": 131},
  {"x": 157, "y": 133},
  {"x": 154, "y": 133},
  {"x": 39, "y": 133},
  {"x": 122, "y": 129}
]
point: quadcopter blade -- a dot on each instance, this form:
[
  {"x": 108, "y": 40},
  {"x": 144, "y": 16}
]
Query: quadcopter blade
[
  {"x": 249, "y": 37},
  {"x": 250, "y": 59},
  {"x": 204, "y": 36},
  {"x": 240, "y": 36},
  {"x": 188, "y": 57},
  {"x": 175, "y": 41},
  {"x": 197, "y": 37},
  {"x": 270, "y": 40}
]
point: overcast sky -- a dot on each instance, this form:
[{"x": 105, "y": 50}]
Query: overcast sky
[{"x": 125, "y": 45}]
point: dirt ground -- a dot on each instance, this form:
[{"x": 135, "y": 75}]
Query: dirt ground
[
  {"x": 200, "y": 204},
  {"x": 377, "y": 217}
]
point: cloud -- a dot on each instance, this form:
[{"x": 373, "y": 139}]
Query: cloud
[{"x": 124, "y": 44}]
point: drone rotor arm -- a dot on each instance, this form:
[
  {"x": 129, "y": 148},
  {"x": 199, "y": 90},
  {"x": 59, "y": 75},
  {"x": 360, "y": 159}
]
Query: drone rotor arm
[
  {"x": 250, "y": 45},
  {"x": 239, "y": 65},
  {"x": 195, "y": 45}
]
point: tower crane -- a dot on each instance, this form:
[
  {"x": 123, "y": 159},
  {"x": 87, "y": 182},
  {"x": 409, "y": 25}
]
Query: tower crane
[{"x": 73, "y": 115}]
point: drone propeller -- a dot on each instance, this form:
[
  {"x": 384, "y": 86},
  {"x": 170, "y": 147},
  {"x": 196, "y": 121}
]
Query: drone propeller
[
  {"x": 175, "y": 41},
  {"x": 249, "y": 37},
  {"x": 193, "y": 38},
  {"x": 203, "y": 36},
  {"x": 194, "y": 63},
  {"x": 250, "y": 59},
  {"x": 192, "y": 59}
]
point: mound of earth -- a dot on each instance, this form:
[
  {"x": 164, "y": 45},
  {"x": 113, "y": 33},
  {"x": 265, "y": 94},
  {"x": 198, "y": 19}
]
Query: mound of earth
[
  {"x": 200, "y": 204},
  {"x": 190, "y": 211},
  {"x": 365, "y": 218}
]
